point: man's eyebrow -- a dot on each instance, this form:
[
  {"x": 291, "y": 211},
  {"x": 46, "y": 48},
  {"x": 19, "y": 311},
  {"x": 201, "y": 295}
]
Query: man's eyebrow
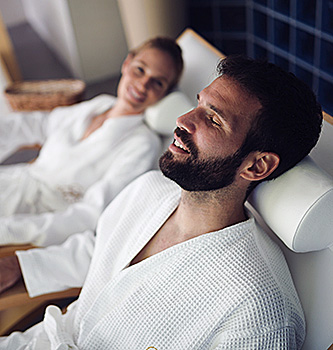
[
  {"x": 214, "y": 108},
  {"x": 217, "y": 111}
]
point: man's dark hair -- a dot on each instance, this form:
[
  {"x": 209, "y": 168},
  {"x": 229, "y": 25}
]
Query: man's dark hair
[{"x": 289, "y": 122}]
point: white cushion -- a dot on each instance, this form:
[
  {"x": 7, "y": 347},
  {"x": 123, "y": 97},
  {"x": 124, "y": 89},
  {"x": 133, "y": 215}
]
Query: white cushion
[
  {"x": 298, "y": 206},
  {"x": 161, "y": 117},
  {"x": 200, "y": 61}
]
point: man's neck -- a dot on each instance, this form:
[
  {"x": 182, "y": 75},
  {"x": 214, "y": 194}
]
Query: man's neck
[
  {"x": 208, "y": 211},
  {"x": 197, "y": 213}
]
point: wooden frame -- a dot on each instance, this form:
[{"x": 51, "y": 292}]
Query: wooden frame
[
  {"x": 8, "y": 250},
  {"x": 16, "y": 307},
  {"x": 329, "y": 119},
  {"x": 7, "y": 54},
  {"x": 15, "y": 304},
  {"x": 202, "y": 40}
]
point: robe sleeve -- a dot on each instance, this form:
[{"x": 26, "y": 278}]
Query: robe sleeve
[
  {"x": 138, "y": 155},
  {"x": 59, "y": 267},
  {"x": 21, "y": 129}
]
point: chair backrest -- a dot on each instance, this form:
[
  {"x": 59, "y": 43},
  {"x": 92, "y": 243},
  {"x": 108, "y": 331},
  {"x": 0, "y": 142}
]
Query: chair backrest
[
  {"x": 4, "y": 81},
  {"x": 200, "y": 60},
  {"x": 308, "y": 227}
]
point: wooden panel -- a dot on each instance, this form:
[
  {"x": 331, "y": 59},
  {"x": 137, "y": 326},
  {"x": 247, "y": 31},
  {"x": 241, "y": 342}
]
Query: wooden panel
[
  {"x": 18, "y": 310},
  {"x": 7, "y": 53},
  {"x": 191, "y": 32},
  {"x": 17, "y": 295},
  {"x": 15, "y": 303},
  {"x": 329, "y": 119},
  {"x": 8, "y": 250},
  {"x": 10, "y": 318},
  {"x": 16, "y": 306}
]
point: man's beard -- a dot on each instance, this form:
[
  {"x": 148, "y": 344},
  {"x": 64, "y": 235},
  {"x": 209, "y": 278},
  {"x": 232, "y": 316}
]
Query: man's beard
[{"x": 195, "y": 174}]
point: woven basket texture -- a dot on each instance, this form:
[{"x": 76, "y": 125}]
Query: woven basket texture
[{"x": 44, "y": 94}]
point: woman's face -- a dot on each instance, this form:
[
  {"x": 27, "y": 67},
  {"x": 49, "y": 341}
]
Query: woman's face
[{"x": 145, "y": 79}]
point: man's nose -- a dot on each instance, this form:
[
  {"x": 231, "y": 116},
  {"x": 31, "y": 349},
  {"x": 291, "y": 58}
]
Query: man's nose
[{"x": 190, "y": 121}]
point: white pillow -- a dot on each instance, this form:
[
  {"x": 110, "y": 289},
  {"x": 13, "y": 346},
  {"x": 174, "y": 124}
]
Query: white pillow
[
  {"x": 200, "y": 61},
  {"x": 298, "y": 206},
  {"x": 162, "y": 116}
]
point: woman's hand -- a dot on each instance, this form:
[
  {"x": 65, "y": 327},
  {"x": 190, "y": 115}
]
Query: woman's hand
[{"x": 10, "y": 272}]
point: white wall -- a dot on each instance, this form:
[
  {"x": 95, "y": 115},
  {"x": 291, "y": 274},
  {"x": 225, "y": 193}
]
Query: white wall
[
  {"x": 143, "y": 19},
  {"x": 100, "y": 37},
  {"x": 86, "y": 35},
  {"x": 52, "y": 21}
]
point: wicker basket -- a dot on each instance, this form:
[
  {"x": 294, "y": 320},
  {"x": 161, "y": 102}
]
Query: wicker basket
[{"x": 44, "y": 94}]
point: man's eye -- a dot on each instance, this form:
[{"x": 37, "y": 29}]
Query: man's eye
[{"x": 214, "y": 121}]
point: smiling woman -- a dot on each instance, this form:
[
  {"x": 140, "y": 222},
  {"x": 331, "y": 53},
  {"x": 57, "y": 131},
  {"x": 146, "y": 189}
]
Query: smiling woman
[
  {"x": 109, "y": 131},
  {"x": 146, "y": 78}
]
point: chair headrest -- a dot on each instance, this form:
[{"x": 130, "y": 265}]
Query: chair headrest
[
  {"x": 298, "y": 206},
  {"x": 200, "y": 60},
  {"x": 161, "y": 117}
]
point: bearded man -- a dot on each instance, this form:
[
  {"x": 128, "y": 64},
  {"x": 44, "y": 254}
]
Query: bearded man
[{"x": 178, "y": 262}]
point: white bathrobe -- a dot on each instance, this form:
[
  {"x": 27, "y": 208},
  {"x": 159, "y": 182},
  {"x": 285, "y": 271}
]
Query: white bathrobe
[
  {"x": 65, "y": 190},
  {"x": 229, "y": 289}
]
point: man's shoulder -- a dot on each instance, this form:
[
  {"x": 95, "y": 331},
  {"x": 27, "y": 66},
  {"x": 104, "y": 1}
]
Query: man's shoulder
[
  {"x": 141, "y": 198},
  {"x": 154, "y": 184},
  {"x": 148, "y": 190}
]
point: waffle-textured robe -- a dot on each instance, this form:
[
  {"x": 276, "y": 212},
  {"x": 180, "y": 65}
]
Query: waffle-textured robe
[
  {"x": 229, "y": 289},
  {"x": 65, "y": 190}
]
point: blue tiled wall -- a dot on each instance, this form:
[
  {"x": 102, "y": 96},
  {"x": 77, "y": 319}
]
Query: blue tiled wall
[{"x": 295, "y": 34}]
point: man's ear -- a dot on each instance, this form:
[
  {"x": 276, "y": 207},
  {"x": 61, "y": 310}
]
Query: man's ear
[
  {"x": 125, "y": 64},
  {"x": 260, "y": 165}
]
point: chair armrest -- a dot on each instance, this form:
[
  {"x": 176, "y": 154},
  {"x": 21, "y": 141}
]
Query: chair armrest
[
  {"x": 17, "y": 295},
  {"x": 15, "y": 304},
  {"x": 8, "y": 250},
  {"x": 17, "y": 309}
]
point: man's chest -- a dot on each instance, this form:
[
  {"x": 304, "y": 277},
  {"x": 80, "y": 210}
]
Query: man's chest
[{"x": 164, "y": 238}]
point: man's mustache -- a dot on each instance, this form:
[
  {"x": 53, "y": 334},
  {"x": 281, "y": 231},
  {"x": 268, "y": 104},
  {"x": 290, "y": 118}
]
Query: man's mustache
[{"x": 186, "y": 139}]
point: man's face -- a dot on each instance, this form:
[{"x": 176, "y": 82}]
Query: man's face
[
  {"x": 204, "y": 153},
  {"x": 145, "y": 79}
]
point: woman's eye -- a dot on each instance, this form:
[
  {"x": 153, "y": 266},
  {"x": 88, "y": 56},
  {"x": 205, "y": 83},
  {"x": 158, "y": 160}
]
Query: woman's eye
[
  {"x": 158, "y": 84},
  {"x": 139, "y": 70}
]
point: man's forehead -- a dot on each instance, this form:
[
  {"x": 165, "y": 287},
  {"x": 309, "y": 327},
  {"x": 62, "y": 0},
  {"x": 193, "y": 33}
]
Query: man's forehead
[
  {"x": 227, "y": 89},
  {"x": 231, "y": 101}
]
